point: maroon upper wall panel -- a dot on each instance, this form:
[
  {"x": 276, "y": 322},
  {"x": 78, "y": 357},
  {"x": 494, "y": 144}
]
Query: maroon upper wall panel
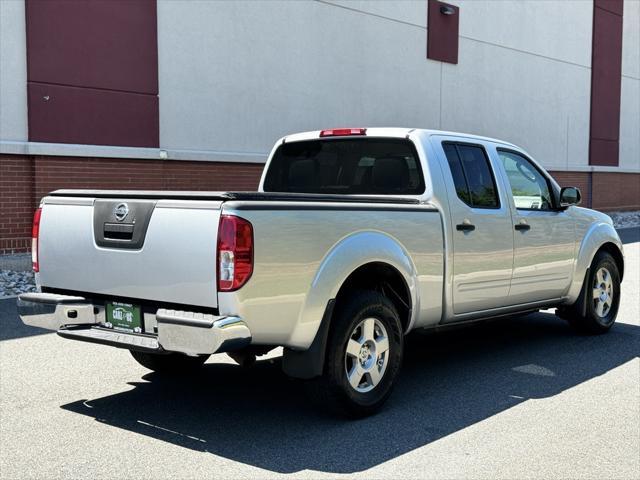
[
  {"x": 93, "y": 43},
  {"x": 442, "y": 31},
  {"x": 61, "y": 114},
  {"x": 606, "y": 77},
  {"x": 613, "y": 6}
]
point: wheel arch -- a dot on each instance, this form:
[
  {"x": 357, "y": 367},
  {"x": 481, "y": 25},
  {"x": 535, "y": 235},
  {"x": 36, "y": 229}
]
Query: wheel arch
[
  {"x": 600, "y": 237},
  {"x": 582, "y": 313},
  {"x": 363, "y": 260},
  {"x": 363, "y": 251},
  {"x": 614, "y": 251},
  {"x": 384, "y": 278}
]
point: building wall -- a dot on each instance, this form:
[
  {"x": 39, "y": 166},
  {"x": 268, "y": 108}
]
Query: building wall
[
  {"x": 234, "y": 76},
  {"x": 271, "y": 68},
  {"x": 524, "y": 77},
  {"x": 521, "y": 75}
]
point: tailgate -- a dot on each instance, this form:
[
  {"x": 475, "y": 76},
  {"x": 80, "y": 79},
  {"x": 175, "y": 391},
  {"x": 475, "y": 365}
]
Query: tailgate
[{"x": 152, "y": 249}]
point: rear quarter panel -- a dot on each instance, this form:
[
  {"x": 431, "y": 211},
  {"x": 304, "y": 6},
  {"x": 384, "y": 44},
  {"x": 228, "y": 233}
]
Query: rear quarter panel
[{"x": 303, "y": 254}]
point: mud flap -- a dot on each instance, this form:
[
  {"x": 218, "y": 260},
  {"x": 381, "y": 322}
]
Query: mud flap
[{"x": 309, "y": 363}]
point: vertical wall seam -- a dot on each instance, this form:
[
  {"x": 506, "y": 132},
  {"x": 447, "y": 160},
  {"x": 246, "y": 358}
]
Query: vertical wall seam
[{"x": 440, "y": 112}]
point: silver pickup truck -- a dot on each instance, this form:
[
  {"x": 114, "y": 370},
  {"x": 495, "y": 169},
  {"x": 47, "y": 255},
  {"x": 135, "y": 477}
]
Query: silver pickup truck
[{"x": 355, "y": 238}]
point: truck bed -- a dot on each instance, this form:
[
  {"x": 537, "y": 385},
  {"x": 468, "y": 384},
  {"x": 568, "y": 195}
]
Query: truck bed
[{"x": 172, "y": 255}]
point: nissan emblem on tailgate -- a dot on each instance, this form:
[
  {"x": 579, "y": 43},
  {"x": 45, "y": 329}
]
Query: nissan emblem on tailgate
[{"x": 121, "y": 211}]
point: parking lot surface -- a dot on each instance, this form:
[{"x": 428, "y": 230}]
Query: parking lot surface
[{"x": 514, "y": 398}]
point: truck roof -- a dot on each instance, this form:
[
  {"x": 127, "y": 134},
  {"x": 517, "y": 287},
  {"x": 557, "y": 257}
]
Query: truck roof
[{"x": 393, "y": 132}]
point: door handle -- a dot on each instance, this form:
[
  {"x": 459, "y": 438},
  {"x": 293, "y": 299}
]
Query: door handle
[
  {"x": 465, "y": 227},
  {"x": 522, "y": 227}
]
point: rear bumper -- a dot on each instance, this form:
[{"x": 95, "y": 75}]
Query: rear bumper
[{"x": 191, "y": 333}]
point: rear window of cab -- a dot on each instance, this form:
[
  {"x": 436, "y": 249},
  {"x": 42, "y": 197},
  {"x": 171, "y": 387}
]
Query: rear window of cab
[{"x": 375, "y": 166}]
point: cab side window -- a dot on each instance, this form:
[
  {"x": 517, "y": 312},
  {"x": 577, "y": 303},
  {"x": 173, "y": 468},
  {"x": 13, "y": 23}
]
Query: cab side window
[
  {"x": 530, "y": 189},
  {"x": 472, "y": 175}
]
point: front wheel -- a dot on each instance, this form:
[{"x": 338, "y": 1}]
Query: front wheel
[
  {"x": 364, "y": 354},
  {"x": 169, "y": 363},
  {"x": 597, "y": 307}
]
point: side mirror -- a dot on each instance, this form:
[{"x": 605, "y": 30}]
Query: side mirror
[{"x": 570, "y": 196}]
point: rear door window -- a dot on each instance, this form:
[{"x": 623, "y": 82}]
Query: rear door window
[
  {"x": 378, "y": 166},
  {"x": 472, "y": 175}
]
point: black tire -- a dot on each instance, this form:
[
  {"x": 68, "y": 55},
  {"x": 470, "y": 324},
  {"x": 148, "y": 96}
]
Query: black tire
[
  {"x": 584, "y": 316},
  {"x": 333, "y": 389},
  {"x": 169, "y": 363}
]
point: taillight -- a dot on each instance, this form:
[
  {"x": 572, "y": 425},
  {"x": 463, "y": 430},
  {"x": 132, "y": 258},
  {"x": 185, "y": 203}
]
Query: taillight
[
  {"x": 235, "y": 252},
  {"x": 35, "y": 233},
  {"x": 343, "y": 132}
]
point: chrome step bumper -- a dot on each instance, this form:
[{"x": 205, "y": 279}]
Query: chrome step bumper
[
  {"x": 191, "y": 333},
  {"x": 53, "y": 311},
  {"x": 196, "y": 333}
]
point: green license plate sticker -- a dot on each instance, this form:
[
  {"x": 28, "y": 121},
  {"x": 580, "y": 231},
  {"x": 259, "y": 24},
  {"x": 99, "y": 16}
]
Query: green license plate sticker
[{"x": 124, "y": 316}]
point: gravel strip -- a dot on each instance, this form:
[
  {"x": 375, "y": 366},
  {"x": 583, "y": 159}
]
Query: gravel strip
[
  {"x": 14, "y": 283},
  {"x": 625, "y": 219}
]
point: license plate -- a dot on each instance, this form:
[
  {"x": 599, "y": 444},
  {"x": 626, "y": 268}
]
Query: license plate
[{"x": 124, "y": 316}]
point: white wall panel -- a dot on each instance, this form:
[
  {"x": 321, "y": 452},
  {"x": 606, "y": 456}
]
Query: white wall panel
[
  {"x": 631, "y": 39},
  {"x": 236, "y": 75},
  {"x": 559, "y": 29},
  {"x": 630, "y": 92},
  {"x": 630, "y": 124},
  {"x": 13, "y": 72},
  {"x": 409, "y": 11},
  {"x": 540, "y": 104}
]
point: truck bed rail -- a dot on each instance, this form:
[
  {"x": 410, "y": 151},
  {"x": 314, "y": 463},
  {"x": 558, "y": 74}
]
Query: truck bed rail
[{"x": 225, "y": 196}]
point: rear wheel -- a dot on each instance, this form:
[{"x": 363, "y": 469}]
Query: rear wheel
[
  {"x": 596, "y": 309},
  {"x": 363, "y": 358},
  {"x": 169, "y": 363}
]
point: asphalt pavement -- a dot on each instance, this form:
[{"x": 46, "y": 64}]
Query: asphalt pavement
[{"x": 514, "y": 398}]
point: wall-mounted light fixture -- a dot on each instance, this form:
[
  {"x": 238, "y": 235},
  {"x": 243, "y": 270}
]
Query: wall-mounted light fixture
[{"x": 447, "y": 10}]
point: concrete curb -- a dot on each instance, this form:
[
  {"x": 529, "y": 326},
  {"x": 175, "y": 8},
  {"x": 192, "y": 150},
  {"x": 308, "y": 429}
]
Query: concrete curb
[{"x": 629, "y": 235}]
